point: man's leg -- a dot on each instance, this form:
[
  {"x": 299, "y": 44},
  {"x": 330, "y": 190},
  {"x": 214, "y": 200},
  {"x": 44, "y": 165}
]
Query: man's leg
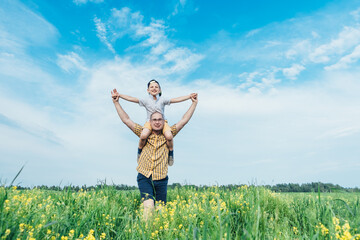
[
  {"x": 161, "y": 190},
  {"x": 148, "y": 209},
  {"x": 147, "y": 194}
]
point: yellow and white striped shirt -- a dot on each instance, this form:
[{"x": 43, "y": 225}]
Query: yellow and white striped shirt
[{"x": 154, "y": 156}]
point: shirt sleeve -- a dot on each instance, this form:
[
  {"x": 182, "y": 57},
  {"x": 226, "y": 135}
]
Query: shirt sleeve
[
  {"x": 166, "y": 101},
  {"x": 173, "y": 130},
  {"x": 142, "y": 102},
  {"x": 138, "y": 129}
]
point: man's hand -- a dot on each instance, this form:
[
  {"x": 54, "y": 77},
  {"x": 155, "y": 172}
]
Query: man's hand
[
  {"x": 115, "y": 95},
  {"x": 194, "y": 97}
]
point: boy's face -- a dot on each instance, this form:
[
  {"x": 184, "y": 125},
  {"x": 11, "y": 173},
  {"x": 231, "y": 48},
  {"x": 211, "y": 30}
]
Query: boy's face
[{"x": 154, "y": 89}]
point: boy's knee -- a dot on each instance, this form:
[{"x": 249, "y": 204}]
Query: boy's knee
[
  {"x": 143, "y": 137},
  {"x": 145, "y": 134},
  {"x": 168, "y": 136}
]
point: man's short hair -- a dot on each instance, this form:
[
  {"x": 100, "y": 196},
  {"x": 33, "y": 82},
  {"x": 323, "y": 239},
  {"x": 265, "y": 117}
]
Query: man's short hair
[{"x": 162, "y": 115}]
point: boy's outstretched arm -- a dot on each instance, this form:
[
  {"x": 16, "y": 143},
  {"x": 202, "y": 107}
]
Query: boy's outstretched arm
[
  {"x": 181, "y": 99},
  {"x": 185, "y": 119},
  {"x": 122, "y": 114},
  {"x": 126, "y": 97}
]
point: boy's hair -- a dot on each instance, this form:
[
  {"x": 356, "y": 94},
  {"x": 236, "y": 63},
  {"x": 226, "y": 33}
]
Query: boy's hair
[{"x": 153, "y": 80}]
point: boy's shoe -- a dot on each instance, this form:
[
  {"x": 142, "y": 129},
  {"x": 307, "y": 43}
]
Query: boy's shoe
[
  {"x": 139, "y": 153},
  {"x": 171, "y": 160}
]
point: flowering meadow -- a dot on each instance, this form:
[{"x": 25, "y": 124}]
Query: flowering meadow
[{"x": 247, "y": 212}]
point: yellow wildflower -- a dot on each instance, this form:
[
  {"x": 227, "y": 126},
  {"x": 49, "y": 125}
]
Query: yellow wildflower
[{"x": 71, "y": 233}]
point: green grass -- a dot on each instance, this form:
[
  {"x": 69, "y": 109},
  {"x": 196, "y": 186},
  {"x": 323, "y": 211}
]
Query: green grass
[{"x": 205, "y": 213}]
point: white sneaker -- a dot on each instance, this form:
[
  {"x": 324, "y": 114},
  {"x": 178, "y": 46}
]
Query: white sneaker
[{"x": 170, "y": 160}]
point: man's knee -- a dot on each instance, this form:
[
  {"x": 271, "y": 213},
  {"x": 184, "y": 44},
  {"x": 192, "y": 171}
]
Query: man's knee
[
  {"x": 148, "y": 208},
  {"x": 149, "y": 204}
]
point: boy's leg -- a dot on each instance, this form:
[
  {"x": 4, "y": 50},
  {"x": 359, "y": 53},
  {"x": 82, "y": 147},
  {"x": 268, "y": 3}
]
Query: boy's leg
[
  {"x": 143, "y": 136},
  {"x": 145, "y": 133},
  {"x": 168, "y": 136},
  {"x": 169, "y": 142}
]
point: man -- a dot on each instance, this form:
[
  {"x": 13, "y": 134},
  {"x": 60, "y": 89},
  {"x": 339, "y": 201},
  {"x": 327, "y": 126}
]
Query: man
[{"x": 153, "y": 162}]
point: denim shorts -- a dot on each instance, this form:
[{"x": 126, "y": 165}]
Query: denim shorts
[{"x": 152, "y": 189}]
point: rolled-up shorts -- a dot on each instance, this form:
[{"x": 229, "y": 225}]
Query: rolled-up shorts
[
  {"x": 152, "y": 189},
  {"x": 166, "y": 126}
]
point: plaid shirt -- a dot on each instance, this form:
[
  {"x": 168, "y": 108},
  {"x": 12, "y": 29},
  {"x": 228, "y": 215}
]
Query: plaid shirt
[{"x": 154, "y": 156}]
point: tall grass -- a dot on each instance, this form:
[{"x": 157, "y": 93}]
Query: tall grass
[{"x": 206, "y": 213}]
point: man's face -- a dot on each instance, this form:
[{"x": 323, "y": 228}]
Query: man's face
[{"x": 157, "y": 121}]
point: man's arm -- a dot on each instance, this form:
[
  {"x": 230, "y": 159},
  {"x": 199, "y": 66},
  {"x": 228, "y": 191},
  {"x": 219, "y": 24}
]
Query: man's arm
[
  {"x": 122, "y": 114},
  {"x": 185, "y": 119}
]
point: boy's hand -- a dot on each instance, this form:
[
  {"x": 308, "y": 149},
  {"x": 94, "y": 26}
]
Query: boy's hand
[
  {"x": 115, "y": 95},
  {"x": 194, "y": 97}
]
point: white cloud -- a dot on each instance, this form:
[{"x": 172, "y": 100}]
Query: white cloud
[
  {"x": 269, "y": 135},
  {"x": 102, "y": 33},
  {"x": 347, "y": 60},
  {"x": 347, "y": 39},
  {"x": 356, "y": 14},
  {"x": 81, "y": 2},
  {"x": 274, "y": 129},
  {"x": 22, "y": 68},
  {"x": 125, "y": 22},
  {"x": 315, "y": 34},
  {"x": 150, "y": 36},
  {"x": 183, "y": 2},
  {"x": 155, "y": 36},
  {"x": 183, "y": 59},
  {"x": 258, "y": 82},
  {"x": 298, "y": 49},
  {"x": 179, "y": 7},
  {"x": 15, "y": 32},
  {"x": 16, "y": 36},
  {"x": 253, "y": 32},
  {"x": 71, "y": 62},
  {"x": 302, "y": 43},
  {"x": 293, "y": 71},
  {"x": 340, "y": 132}
]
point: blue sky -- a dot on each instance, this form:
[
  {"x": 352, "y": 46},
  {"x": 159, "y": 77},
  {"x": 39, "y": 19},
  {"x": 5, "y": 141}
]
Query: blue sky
[{"x": 278, "y": 85}]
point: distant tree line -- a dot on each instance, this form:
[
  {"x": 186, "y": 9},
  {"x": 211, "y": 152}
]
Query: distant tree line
[
  {"x": 310, "y": 187},
  {"x": 81, "y": 188},
  {"x": 287, "y": 187},
  {"x": 282, "y": 187}
]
